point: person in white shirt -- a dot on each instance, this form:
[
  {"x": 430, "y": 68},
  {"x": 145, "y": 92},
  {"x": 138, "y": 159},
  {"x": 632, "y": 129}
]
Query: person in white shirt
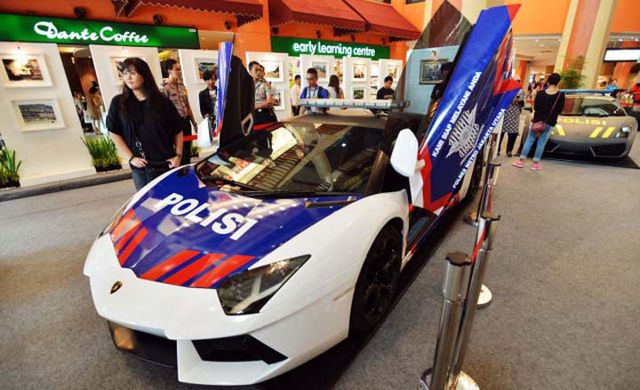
[{"x": 295, "y": 96}]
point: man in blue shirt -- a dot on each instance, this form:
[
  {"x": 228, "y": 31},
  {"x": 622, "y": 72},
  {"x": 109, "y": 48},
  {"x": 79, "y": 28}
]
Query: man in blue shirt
[{"x": 313, "y": 91}]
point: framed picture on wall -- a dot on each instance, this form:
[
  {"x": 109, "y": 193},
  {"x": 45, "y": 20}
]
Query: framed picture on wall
[
  {"x": 337, "y": 69},
  {"x": 273, "y": 70},
  {"x": 431, "y": 71},
  {"x": 24, "y": 70},
  {"x": 323, "y": 70},
  {"x": 40, "y": 114},
  {"x": 293, "y": 66},
  {"x": 359, "y": 72},
  {"x": 204, "y": 64},
  {"x": 358, "y": 93},
  {"x": 278, "y": 100},
  {"x": 393, "y": 71}
]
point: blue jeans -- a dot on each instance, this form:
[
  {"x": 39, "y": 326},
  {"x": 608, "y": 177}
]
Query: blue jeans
[{"x": 542, "y": 141}]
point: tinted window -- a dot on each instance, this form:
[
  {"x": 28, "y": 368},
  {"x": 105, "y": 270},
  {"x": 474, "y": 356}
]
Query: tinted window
[
  {"x": 591, "y": 106},
  {"x": 299, "y": 157}
]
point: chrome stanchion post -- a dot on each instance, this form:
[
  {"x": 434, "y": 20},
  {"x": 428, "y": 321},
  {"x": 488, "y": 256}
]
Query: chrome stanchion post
[
  {"x": 486, "y": 203},
  {"x": 487, "y": 225},
  {"x": 454, "y": 290}
]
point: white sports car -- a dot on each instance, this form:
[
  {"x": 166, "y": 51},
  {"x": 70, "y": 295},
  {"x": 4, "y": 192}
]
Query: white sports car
[
  {"x": 292, "y": 235},
  {"x": 264, "y": 255}
]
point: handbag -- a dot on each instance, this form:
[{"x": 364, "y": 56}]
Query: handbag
[{"x": 540, "y": 126}]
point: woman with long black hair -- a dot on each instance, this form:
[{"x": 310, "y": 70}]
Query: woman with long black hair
[
  {"x": 335, "y": 92},
  {"x": 144, "y": 124}
]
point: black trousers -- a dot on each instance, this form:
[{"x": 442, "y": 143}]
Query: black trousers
[
  {"x": 296, "y": 110},
  {"x": 511, "y": 140},
  {"x": 141, "y": 177}
]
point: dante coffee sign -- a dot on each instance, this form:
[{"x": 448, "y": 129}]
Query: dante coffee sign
[{"x": 72, "y": 31}]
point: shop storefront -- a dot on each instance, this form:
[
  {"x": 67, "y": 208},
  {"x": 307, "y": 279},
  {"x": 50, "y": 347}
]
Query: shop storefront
[
  {"x": 60, "y": 74},
  {"x": 358, "y": 66}
]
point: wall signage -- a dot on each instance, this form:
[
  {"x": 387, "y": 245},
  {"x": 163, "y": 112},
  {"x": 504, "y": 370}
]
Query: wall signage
[
  {"x": 297, "y": 46},
  {"x": 26, "y": 28}
]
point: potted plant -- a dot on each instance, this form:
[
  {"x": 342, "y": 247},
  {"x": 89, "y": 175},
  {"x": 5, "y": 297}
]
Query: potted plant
[
  {"x": 9, "y": 168},
  {"x": 195, "y": 151},
  {"x": 572, "y": 74},
  {"x": 104, "y": 154}
]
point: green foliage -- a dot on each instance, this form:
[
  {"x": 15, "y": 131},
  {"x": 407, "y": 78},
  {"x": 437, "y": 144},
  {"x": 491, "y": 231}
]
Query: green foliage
[
  {"x": 572, "y": 74},
  {"x": 103, "y": 151},
  {"x": 9, "y": 167}
]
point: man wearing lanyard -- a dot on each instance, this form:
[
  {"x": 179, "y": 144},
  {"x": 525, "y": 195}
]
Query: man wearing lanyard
[
  {"x": 174, "y": 89},
  {"x": 208, "y": 97},
  {"x": 263, "y": 96},
  {"x": 313, "y": 91}
]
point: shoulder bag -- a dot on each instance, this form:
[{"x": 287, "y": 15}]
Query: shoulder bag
[{"x": 540, "y": 126}]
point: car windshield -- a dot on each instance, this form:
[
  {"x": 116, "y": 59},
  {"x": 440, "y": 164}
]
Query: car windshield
[
  {"x": 591, "y": 106},
  {"x": 296, "y": 158}
]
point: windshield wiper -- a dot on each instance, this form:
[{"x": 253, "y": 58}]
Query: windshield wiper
[
  {"x": 293, "y": 194},
  {"x": 219, "y": 179}
]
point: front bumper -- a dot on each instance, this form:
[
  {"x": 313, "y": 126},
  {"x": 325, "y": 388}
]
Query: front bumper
[
  {"x": 210, "y": 347},
  {"x": 601, "y": 148}
]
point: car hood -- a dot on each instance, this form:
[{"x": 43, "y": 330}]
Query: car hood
[
  {"x": 184, "y": 233},
  {"x": 590, "y": 127}
]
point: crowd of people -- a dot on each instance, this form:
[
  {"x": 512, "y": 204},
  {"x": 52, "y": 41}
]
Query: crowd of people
[{"x": 152, "y": 127}]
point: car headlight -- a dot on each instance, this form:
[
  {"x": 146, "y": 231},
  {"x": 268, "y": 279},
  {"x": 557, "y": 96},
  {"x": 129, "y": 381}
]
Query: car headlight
[
  {"x": 624, "y": 132},
  {"x": 247, "y": 292}
]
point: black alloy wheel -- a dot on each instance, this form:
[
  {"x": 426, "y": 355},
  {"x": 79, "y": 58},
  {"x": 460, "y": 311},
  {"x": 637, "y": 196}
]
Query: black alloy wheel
[{"x": 378, "y": 280}]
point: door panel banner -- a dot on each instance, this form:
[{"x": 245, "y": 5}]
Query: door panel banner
[{"x": 474, "y": 101}]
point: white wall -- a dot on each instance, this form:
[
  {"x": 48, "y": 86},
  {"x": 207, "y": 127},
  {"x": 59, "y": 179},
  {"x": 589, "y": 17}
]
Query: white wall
[
  {"x": 102, "y": 61},
  {"x": 281, "y": 86},
  {"x": 190, "y": 75},
  {"x": 47, "y": 155}
]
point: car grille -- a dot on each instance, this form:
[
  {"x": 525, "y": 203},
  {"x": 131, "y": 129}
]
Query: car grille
[
  {"x": 236, "y": 349},
  {"x": 162, "y": 351},
  {"x": 608, "y": 150}
]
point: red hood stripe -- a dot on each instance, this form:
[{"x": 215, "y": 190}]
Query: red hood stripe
[
  {"x": 221, "y": 271},
  {"x": 169, "y": 264},
  {"x": 193, "y": 269},
  {"x": 132, "y": 245}
]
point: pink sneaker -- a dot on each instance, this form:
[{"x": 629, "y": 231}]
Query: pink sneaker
[
  {"x": 536, "y": 166},
  {"x": 518, "y": 164}
]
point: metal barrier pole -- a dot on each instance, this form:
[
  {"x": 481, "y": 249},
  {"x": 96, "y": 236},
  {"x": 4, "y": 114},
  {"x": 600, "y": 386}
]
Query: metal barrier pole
[
  {"x": 485, "y": 204},
  {"x": 490, "y": 180},
  {"x": 454, "y": 290},
  {"x": 486, "y": 232}
]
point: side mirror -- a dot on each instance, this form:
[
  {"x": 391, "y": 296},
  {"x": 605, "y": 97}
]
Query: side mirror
[{"x": 405, "y": 153}]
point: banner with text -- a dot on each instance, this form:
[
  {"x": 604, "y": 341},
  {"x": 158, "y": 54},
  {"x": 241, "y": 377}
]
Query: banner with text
[
  {"x": 26, "y": 28},
  {"x": 297, "y": 46}
]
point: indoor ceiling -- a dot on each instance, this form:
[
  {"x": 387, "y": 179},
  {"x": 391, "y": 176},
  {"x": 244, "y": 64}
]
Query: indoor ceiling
[{"x": 539, "y": 49}]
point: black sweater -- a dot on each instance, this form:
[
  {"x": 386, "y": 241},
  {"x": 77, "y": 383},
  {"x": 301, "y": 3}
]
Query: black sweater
[{"x": 543, "y": 106}]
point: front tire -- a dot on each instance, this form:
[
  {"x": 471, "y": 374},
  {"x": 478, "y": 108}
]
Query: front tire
[{"x": 378, "y": 280}]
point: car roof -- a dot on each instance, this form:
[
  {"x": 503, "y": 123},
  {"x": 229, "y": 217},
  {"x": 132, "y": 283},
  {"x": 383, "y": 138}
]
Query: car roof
[{"x": 347, "y": 117}]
